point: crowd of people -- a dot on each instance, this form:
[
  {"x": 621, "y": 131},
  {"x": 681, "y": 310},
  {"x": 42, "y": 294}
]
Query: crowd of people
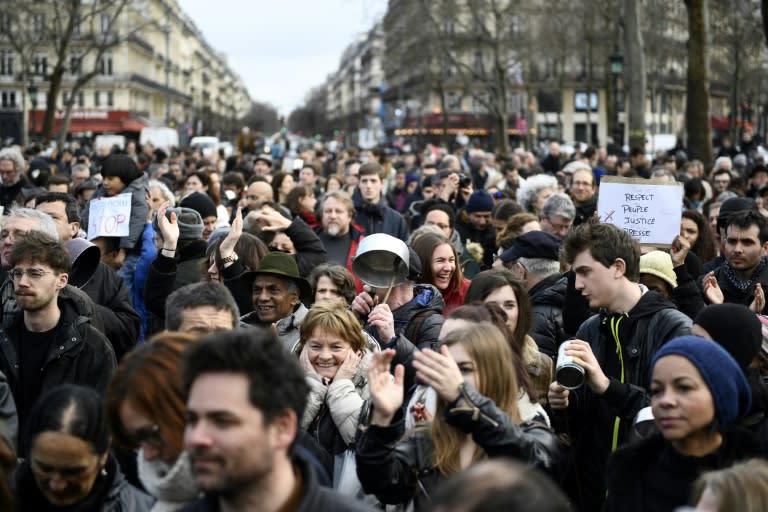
[{"x": 233, "y": 351}]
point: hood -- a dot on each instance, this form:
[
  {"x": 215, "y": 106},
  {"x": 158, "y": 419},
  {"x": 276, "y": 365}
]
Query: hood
[{"x": 425, "y": 296}]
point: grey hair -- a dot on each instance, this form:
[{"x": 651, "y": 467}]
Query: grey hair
[
  {"x": 46, "y": 223},
  {"x": 559, "y": 204},
  {"x": 722, "y": 159},
  {"x": 540, "y": 267},
  {"x": 526, "y": 194},
  {"x": 164, "y": 191},
  {"x": 15, "y": 156}
]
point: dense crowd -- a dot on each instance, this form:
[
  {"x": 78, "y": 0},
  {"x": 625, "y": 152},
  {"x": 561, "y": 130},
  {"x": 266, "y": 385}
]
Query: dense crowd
[{"x": 386, "y": 329}]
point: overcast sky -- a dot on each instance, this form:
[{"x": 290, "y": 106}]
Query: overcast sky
[{"x": 283, "y": 48}]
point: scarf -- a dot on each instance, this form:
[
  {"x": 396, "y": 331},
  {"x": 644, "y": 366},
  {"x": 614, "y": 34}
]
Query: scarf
[
  {"x": 174, "y": 487},
  {"x": 749, "y": 283}
]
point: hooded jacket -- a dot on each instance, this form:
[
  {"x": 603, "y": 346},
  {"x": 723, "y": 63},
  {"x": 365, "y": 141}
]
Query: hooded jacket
[
  {"x": 378, "y": 218},
  {"x": 597, "y": 424},
  {"x": 547, "y": 297},
  {"x": 77, "y": 354}
]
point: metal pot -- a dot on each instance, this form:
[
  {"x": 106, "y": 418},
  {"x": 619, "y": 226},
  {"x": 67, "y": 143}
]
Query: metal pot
[{"x": 381, "y": 261}]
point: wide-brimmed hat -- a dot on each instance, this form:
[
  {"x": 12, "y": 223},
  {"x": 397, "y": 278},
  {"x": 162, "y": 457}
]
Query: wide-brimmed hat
[{"x": 283, "y": 265}]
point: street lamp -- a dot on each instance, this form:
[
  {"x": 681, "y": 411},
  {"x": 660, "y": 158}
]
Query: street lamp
[
  {"x": 617, "y": 67},
  {"x": 32, "y": 91}
]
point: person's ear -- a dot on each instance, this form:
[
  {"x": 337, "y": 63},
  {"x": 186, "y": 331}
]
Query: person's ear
[
  {"x": 620, "y": 267},
  {"x": 284, "y": 427},
  {"x": 62, "y": 280},
  {"x": 74, "y": 227},
  {"x": 765, "y": 249}
]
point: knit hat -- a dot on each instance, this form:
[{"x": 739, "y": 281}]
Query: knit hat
[
  {"x": 534, "y": 244},
  {"x": 201, "y": 203},
  {"x": 479, "y": 201},
  {"x": 731, "y": 206},
  {"x": 190, "y": 223},
  {"x": 731, "y": 394},
  {"x": 659, "y": 264},
  {"x": 735, "y": 328}
]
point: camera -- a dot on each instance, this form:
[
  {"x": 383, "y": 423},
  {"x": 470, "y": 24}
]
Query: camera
[{"x": 464, "y": 180}]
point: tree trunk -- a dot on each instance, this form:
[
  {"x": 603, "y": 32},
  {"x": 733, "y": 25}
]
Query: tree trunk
[
  {"x": 697, "y": 121},
  {"x": 54, "y": 87},
  {"x": 61, "y": 137},
  {"x": 764, "y": 10},
  {"x": 635, "y": 74}
]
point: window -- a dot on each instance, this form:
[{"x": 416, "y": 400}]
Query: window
[
  {"x": 104, "y": 22},
  {"x": 80, "y": 99},
  {"x": 105, "y": 64},
  {"x": 6, "y": 63},
  {"x": 40, "y": 64},
  {"x": 77, "y": 28},
  {"x": 110, "y": 99},
  {"x": 9, "y": 99},
  {"x": 64, "y": 97},
  {"x": 478, "y": 63},
  {"x": 452, "y": 101},
  {"x": 5, "y": 22},
  {"x": 96, "y": 99},
  {"x": 38, "y": 23},
  {"x": 580, "y": 102},
  {"x": 75, "y": 64}
]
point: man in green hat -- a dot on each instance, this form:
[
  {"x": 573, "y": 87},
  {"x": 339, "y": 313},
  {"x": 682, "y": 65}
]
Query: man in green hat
[{"x": 277, "y": 292}]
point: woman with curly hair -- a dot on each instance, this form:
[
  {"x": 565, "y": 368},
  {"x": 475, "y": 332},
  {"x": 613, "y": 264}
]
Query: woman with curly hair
[{"x": 695, "y": 228}]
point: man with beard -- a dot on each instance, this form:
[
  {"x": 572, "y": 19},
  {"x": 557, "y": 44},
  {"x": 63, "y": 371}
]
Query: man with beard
[
  {"x": 245, "y": 397},
  {"x": 340, "y": 236},
  {"x": 48, "y": 343}
]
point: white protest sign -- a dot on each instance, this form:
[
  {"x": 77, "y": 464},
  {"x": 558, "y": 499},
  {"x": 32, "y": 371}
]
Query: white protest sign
[
  {"x": 649, "y": 211},
  {"x": 109, "y": 216}
]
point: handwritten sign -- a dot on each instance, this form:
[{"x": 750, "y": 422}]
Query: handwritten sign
[
  {"x": 650, "y": 211},
  {"x": 109, "y": 216}
]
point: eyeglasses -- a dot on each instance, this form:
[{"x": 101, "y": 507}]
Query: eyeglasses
[
  {"x": 149, "y": 436},
  {"x": 33, "y": 274}
]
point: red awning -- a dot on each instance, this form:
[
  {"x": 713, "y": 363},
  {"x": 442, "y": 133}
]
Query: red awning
[{"x": 93, "y": 121}]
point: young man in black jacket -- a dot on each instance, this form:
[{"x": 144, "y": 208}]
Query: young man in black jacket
[
  {"x": 245, "y": 395},
  {"x": 614, "y": 347}
]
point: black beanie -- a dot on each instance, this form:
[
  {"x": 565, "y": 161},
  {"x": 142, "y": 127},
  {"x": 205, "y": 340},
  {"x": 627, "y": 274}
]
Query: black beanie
[
  {"x": 735, "y": 327},
  {"x": 201, "y": 203}
]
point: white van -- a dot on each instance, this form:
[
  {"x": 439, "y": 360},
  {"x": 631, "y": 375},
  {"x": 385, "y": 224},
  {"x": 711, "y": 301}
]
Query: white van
[
  {"x": 160, "y": 137},
  {"x": 208, "y": 146},
  {"x": 108, "y": 141}
]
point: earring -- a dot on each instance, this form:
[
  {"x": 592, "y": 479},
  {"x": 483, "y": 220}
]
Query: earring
[{"x": 104, "y": 471}]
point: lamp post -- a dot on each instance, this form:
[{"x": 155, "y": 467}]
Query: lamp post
[
  {"x": 32, "y": 91},
  {"x": 617, "y": 67}
]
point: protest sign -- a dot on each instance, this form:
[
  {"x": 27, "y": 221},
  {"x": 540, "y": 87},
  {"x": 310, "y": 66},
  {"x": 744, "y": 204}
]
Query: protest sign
[
  {"x": 649, "y": 211},
  {"x": 109, "y": 216}
]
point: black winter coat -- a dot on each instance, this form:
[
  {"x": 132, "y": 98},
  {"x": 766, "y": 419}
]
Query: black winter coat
[
  {"x": 486, "y": 238},
  {"x": 314, "y": 498},
  {"x": 651, "y": 476},
  {"x": 112, "y": 493},
  {"x": 547, "y": 298},
  {"x": 397, "y": 470},
  {"x": 379, "y": 218},
  {"x": 78, "y": 354},
  {"x": 591, "y": 419}
]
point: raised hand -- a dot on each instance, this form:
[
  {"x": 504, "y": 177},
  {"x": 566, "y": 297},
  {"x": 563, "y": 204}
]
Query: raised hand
[
  {"x": 381, "y": 317},
  {"x": 386, "y": 394},
  {"x": 439, "y": 371},
  {"x": 227, "y": 247},
  {"x": 758, "y": 303},
  {"x": 272, "y": 220},
  {"x": 679, "y": 250},
  {"x": 169, "y": 229},
  {"x": 711, "y": 288}
]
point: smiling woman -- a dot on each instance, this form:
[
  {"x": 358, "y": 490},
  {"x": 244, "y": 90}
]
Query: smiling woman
[
  {"x": 334, "y": 352},
  {"x": 440, "y": 268}
]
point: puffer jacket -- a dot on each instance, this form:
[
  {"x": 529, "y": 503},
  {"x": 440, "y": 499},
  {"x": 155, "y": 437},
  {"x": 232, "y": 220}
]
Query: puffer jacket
[
  {"x": 139, "y": 210},
  {"x": 287, "y": 328},
  {"x": 547, "y": 297},
  {"x": 398, "y": 470},
  {"x": 596, "y": 423}
]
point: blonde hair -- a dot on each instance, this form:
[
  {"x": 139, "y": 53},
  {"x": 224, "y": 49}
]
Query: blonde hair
[
  {"x": 332, "y": 317},
  {"x": 495, "y": 377},
  {"x": 742, "y": 487}
]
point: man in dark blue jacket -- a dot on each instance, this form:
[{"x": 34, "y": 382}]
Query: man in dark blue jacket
[{"x": 373, "y": 214}]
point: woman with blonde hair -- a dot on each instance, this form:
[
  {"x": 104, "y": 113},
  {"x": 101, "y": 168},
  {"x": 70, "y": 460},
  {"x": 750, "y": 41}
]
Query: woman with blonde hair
[
  {"x": 477, "y": 417},
  {"x": 334, "y": 352},
  {"x": 742, "y": 487}
]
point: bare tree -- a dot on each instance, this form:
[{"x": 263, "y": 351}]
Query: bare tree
[
  {"x": 79, "y": 34},
  {"x": 635, "y": 73},
  {"x": 262, "y": 118},
  {"x": 697, "y": 120}
]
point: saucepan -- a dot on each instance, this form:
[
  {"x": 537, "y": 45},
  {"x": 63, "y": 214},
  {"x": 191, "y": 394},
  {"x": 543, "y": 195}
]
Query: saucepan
[{"x": 381, "y": 262}]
